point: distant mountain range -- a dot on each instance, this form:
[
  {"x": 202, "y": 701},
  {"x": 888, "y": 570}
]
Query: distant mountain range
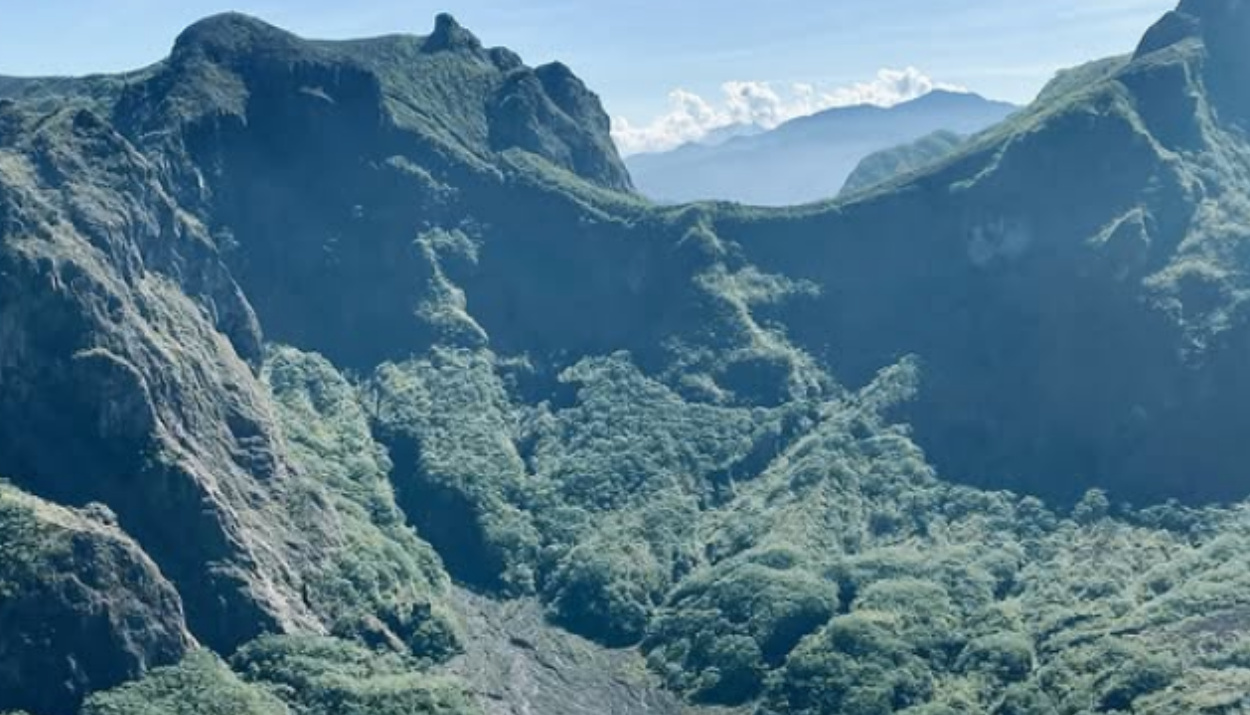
[
  {"x": 806, "y": 159},
  {"x": 727, "y": 133}
]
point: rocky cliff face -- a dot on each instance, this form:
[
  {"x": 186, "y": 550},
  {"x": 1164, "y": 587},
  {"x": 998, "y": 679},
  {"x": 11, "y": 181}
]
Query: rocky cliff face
[
  {"x": 82, "y": 608},
  {"x": 125, "y": 330}
]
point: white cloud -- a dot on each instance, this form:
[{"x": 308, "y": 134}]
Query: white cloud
[{"x": 691, "y": 117}]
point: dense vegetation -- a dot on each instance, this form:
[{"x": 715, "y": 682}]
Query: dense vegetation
[
  {"x": 374, "y": 580},
  {"x": 288, "y": 676},
  {"x": 846, "y": 546},
  {"x": 693, "y": 434},
  {"x": 844, "y": 578}
]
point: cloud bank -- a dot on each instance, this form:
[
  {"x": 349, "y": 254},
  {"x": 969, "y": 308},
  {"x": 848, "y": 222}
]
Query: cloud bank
[{"x": 691, "y": 117}]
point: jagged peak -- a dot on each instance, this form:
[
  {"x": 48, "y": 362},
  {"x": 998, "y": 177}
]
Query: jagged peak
[
  {"x": 450, "y": 35},
  {"x": 505, "y": 60},
  {"x": 559, "y": 81},
  {"x": 1173, "y": 28},
  {"x": 572, "y": 96},
  {"x": 1222, "y": 24}
]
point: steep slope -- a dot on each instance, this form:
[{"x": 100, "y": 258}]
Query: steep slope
[
  {"x": 806, "y": 159},
  {"x": 81, "y": 606},
  {"x": 129, "y": 378},
  {"x": 124, "y": 359}
]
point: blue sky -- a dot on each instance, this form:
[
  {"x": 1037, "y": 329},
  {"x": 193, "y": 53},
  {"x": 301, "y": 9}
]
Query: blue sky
[{"x": 636, "y": 52}]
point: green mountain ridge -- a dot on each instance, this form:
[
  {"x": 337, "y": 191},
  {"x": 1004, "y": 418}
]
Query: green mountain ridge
[
  {"x": 294, "y": 335},
  {"x": 898, "y": 161}
]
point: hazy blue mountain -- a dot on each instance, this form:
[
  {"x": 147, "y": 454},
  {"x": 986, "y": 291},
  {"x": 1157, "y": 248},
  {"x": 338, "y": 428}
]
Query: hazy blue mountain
[
  {"x": 352, "y": 377},
  {"x": 720, "y": 135},
  {"x": 806, "y": 159}
]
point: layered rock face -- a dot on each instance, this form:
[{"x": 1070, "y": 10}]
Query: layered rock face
[{"x": 125, "y": 375}]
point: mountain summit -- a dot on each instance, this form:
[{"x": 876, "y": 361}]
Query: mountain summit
[
  {"x": 1221, "y": 26},
  {"x": 450, "y": 35},
  {"x": 230, "y": 34},
  {"x": 446, "y": 87}
]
